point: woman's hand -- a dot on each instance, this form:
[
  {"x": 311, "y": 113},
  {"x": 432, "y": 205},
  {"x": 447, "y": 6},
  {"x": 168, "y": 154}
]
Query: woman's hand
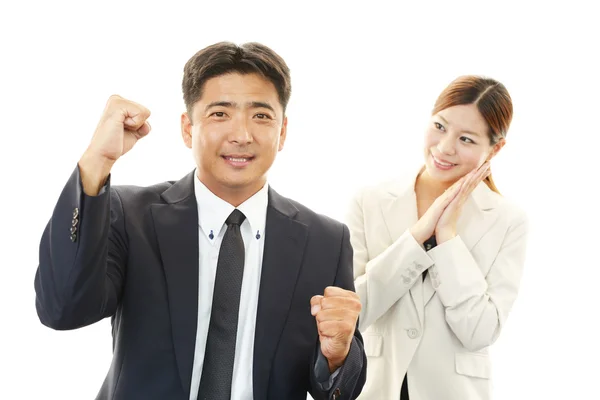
[
  {"x": 426, "y": 225},
  {"x": 446, "y": 224}
]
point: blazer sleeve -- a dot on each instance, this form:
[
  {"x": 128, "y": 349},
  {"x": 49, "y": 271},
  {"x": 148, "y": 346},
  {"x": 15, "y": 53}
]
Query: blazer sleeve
[
  {"x": 384, "y": 279},
  {"x": 476, "y": 306},
  {"x": 349, "y": 378},
  {"x": 82, "y": 257}
]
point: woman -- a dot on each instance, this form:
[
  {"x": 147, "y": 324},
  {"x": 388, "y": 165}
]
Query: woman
[{"x": 438, "y": 255}]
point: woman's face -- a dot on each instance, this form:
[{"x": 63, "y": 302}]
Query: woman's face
[{"x": 456, "y": 142}]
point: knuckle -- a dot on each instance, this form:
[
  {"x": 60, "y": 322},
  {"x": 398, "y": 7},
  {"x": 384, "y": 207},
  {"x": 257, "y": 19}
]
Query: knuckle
[
  {"x": 113, "y": 99},
  {"x": 320, "y": 317},
  {"x": 347, "y": 328}
]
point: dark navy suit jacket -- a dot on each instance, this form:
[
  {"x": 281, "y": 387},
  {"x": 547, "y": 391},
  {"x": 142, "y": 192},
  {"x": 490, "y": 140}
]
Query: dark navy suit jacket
[{"x": 131, "y": 253}]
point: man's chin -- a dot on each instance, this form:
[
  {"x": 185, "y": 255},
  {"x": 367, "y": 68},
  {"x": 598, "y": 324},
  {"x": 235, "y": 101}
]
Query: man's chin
[{"x": 240, "y": 183}]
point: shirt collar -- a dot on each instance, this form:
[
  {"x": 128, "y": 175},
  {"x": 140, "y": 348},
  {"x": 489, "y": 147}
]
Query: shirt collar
[{"x": 213, "y": 211}]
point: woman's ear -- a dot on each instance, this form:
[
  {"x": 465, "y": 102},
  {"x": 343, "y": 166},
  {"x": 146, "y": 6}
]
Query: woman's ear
[{"x": 496, "y": 149}]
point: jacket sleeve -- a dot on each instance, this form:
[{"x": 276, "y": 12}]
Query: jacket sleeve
[
  {"x": 347, "y": 382},
  {"x": 384, "y": 279},
  {"x": 476, "y": 306},
  {"x": 82, "y": 258}
]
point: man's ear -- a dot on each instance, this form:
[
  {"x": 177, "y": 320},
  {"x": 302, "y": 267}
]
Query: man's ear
[
  {"x": 186, "y": 130},
  {"x": 283, "y": 134}
]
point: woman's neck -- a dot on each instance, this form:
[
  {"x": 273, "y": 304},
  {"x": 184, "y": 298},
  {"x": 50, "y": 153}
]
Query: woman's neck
[{"x": 426, "y": 184}]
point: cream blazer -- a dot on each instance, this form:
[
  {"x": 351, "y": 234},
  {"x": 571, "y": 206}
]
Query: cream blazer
[{"x": 439, "y": 329}]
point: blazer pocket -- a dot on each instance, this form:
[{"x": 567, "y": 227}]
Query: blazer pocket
[
  {"x": 473, "y": 364},
  {"x": 373, "y": 344}
]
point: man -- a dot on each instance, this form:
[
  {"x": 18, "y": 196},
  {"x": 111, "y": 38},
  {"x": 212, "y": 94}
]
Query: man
[{"x": 218, "y": 287}]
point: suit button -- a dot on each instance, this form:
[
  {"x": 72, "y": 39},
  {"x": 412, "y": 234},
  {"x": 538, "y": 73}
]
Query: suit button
[
  {"x": 413, "y": 333},
  {"x": 75, "y": 212},
  {"x": 73, "y": 237},
  {"x": 336, "y": 394},
  {"x": 74, "y": 222},
  {"x": 417, "y": 265}
]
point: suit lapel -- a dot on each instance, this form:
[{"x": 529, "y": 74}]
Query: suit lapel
[
  {"x": 176, "y": 225},
  {"x": 400, "y": 213},
  {"x": 282, "y": 258},
  {"x": 428, "y": 290},
  {"x": 478, "y": 216}
]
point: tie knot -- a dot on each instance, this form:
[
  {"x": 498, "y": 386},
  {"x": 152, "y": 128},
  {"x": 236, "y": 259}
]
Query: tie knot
[{"x": 235, "y": 218}]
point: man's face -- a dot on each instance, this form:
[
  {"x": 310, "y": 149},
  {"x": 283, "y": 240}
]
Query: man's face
[{"x": 235, "y": 131}]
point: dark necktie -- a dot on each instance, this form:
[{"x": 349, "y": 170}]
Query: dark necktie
[{"x": 217, "y": 371}]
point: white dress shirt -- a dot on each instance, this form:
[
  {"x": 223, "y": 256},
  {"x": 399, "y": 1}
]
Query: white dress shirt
[{"x": 212, "y": 213}]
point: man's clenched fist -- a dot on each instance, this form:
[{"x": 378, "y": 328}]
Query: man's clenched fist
[
  {"x": 336, "y": 313},
  {"x": 122, "y": 124}
]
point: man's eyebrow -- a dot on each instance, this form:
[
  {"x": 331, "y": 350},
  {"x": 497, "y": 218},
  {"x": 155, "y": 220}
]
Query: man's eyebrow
[
  {"x": 227, "y": 104},
  {"x": 231, "y": 104},
  {"x": 260, "y": 104}
]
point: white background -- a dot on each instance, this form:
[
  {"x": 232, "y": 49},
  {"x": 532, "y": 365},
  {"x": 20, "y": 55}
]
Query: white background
[{"x": 364, "y": 78}]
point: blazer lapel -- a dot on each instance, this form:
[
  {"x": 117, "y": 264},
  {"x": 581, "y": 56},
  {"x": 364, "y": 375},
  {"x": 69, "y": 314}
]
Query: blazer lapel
[
  {"x": 176, "y": 225},
  {"x": 400, "y": 213},
  {"x": 477, "y": 217},
  {"x": 282, "y": 258},
  {"x": 428, "y": 290}
]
